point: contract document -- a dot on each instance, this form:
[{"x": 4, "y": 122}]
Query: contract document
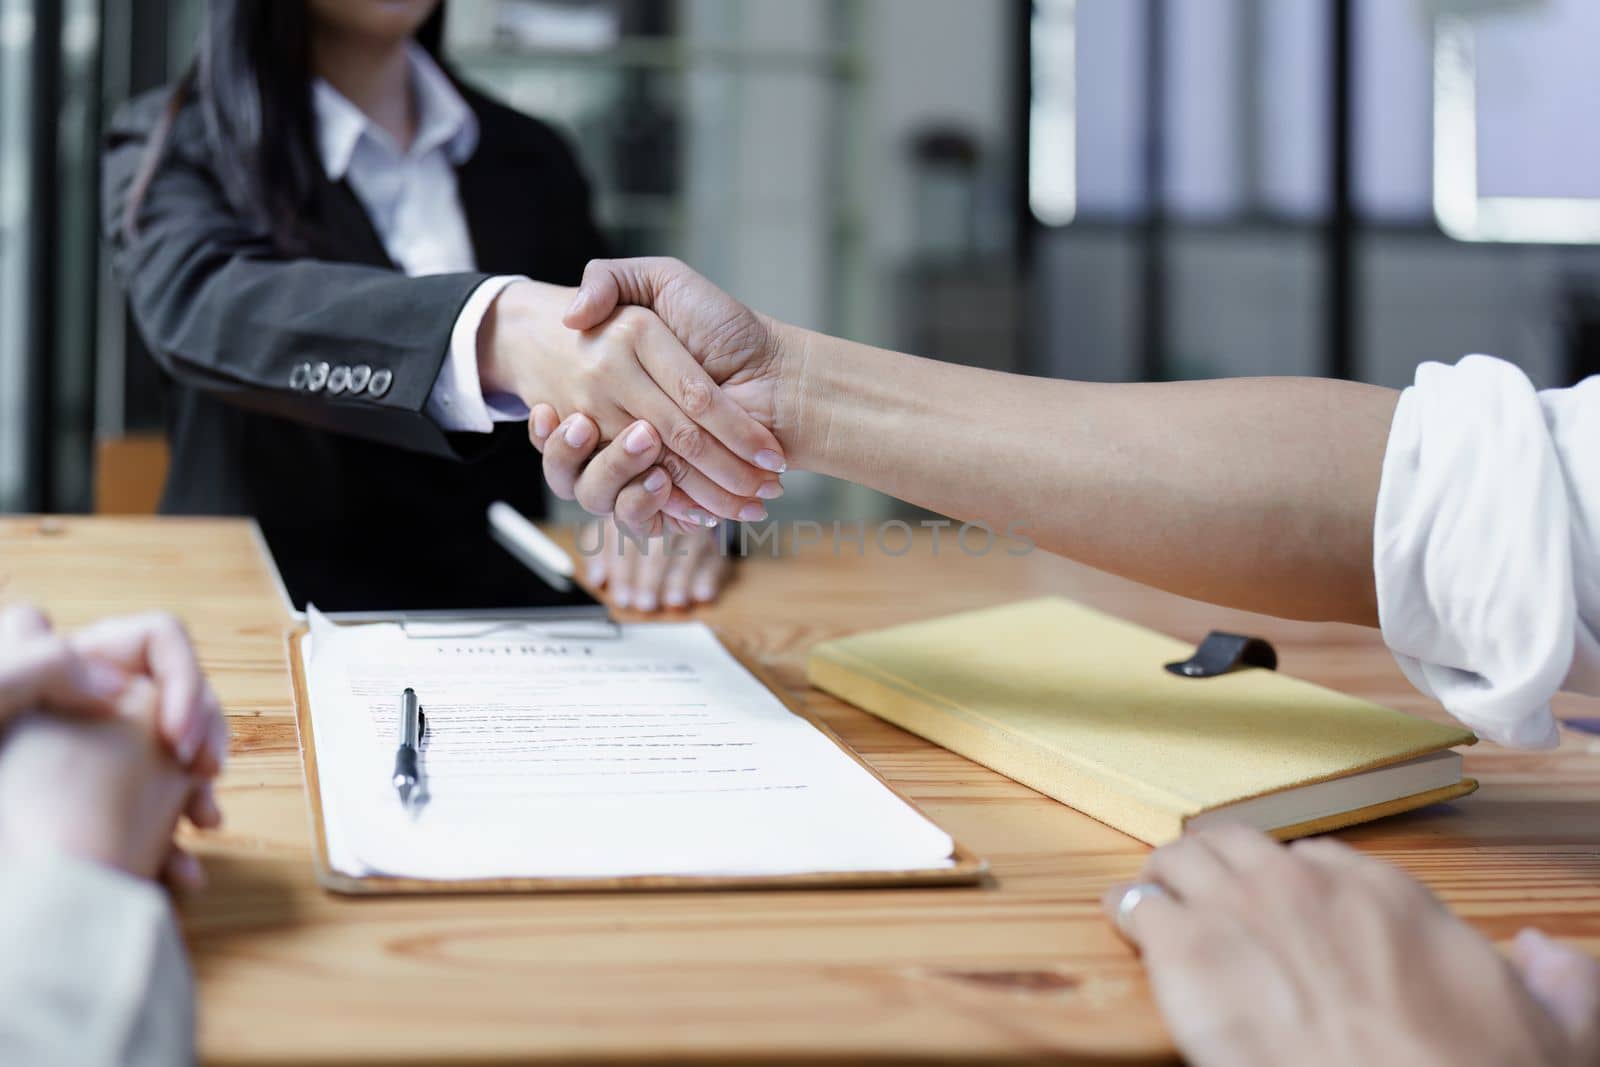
[{"x": 650, "y": 753}]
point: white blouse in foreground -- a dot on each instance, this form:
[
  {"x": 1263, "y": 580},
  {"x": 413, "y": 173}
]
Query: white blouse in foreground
[{"x": 1487, "y": 545}]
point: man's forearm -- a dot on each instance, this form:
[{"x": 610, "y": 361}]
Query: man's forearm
[{"x": 1256, "y": 493}]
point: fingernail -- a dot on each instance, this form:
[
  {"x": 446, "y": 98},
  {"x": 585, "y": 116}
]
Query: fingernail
[
  {"x": 596, "y": 573},
  {"x": 622, "y": 597},
  {"x": 768, "y": 460},
  {"x": 577, "y": 434},
  {"x": 1533, "y": 940},
  {"x": 770, "y": 491},
  {"x": 191, "y": 874},
  {"x": 190, "y": 743},
  {"x": 705, "y": 591},
  {"x": 647, "y": 601},
  {"x": 579, "y": 302},
  {"x": 198, "y": 734},
  {"x": 639, "y": 439},
  {"x": 657, "y": 481},
  {"x": 752, "y": 513},
  {"x": 700, "y": 518},
  {"x": 209, "y": 814},
  {"x": 674, "y": 598},
  {"x": 1112, "y": 898},
  {"x": 103, "y": 680}
]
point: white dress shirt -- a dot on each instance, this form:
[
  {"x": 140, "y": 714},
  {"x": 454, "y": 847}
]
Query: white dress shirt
[
  {"x": 415, "y": 207},
  {"x": 93, "y": 971},
  {"x": 1486, "y": 547}
]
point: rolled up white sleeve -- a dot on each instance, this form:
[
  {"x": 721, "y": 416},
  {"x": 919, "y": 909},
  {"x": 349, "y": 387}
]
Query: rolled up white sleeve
[
  {"x": 1485, "y": 547},
  {"x": 457, "y": 402},
  {"x": 93, "y": 970}
]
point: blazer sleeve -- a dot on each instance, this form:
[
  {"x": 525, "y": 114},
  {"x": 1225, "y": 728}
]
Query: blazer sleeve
[
  {"x": 223, "y": 311},
  {"x": 93, "y": 972}
]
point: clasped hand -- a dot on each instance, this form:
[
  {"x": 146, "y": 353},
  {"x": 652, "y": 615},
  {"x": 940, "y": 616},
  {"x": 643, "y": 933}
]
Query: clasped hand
[
  {"x": 110, "y": 735},
  {"x": 621, "y": 374},
  {"x": 664, "y": 406}
]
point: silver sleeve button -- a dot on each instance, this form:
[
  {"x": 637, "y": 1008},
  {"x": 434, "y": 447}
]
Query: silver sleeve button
[
  {"x": 381, "y": 380},
  {"x": 360, "y": 375},
  {"x": 319, "y": 377},
  {"x": 299, "y": 376},
  {"x": 339, "y": 380}
]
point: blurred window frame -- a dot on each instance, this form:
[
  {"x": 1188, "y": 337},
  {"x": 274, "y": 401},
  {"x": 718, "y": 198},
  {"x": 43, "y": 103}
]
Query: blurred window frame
[{"x": 1460, "y": 208}]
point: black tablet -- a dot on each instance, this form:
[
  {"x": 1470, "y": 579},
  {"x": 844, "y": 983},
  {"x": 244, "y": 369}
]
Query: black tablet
[{"x": 420, "y": 572}]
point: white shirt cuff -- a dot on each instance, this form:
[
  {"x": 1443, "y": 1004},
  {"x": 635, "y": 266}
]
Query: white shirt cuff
[
  {"x": 457, "y": 402},
  {"x": 1472, "y": 550}
]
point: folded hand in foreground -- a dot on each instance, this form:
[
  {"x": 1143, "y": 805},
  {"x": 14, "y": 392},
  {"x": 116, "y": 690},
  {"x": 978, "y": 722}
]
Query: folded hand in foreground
[{"x": 110, "y": 735}]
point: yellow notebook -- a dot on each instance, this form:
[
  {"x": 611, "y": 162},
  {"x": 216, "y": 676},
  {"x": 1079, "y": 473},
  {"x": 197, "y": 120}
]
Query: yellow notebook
[{"x": 1077, "y": 705}]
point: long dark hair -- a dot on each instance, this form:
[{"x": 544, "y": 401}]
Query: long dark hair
[{"x": 251, "y": 78}]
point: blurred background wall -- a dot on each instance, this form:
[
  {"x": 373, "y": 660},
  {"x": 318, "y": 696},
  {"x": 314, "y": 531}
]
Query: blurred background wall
[{"x": 1102, "y": 189}]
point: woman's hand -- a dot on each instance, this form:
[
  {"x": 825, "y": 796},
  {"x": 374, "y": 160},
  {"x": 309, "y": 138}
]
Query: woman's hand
[
  {"x": 631, "y": 479},
  {"x": 1314, "y": 954},
  {"x": 106, "y": 791},
  {"x": 624, "y": 367},
  {"x": 672, "y": 571},
  {"x": 655, "y": 562},
  {"x": 93, "y": 673},
  {"x": 110, "y": 734}
]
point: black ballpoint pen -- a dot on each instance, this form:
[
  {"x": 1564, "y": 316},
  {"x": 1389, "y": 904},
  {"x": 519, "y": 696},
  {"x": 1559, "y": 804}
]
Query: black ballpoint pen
[{"x": 405, "y": 757}]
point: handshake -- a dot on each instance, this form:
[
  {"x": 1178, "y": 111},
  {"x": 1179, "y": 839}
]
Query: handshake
[{"x": 663, "y": 402}]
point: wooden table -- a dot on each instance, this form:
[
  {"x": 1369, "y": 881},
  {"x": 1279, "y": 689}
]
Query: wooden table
[{"x": 1021, "y": 970}]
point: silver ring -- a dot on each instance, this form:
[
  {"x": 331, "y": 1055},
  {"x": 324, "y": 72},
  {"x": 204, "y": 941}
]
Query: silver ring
[{"x": 1132, "y": 897}]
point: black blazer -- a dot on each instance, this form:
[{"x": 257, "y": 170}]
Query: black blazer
[{"x": 233, "y": 322}]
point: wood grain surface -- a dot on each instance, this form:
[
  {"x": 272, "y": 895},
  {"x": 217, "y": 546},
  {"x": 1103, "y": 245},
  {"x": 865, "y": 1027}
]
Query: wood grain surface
[{"x": 1021, "y": 969}]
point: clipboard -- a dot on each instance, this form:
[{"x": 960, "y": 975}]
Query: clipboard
[{"x": 966, "y": 868}]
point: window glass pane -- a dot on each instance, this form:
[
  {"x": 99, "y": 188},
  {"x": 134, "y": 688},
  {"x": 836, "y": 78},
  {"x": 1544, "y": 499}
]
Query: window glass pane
[
  {"x": 1538, "y": 87},
  {"x": 1394, "y": 124},
  {"x": 1110, "y": 108},
  {"x": 1205, "y": 157},
  {"x": 1293, "y": 108}
]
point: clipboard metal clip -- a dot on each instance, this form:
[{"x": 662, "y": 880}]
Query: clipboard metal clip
[
  {"x": 606, "y": 629},
  {"x": 1221, "y": 653}
]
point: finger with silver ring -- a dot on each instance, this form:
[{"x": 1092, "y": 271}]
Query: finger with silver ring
[{"x": 1132, "y": 908}]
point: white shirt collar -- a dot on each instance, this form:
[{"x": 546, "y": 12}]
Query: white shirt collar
[{"x": 444, "y": 121}]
